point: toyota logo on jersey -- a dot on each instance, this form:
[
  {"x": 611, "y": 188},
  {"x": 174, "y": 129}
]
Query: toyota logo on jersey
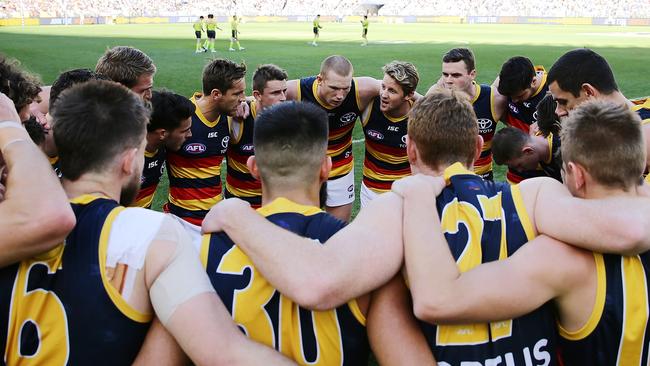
[{"x": 484, "y": 123}]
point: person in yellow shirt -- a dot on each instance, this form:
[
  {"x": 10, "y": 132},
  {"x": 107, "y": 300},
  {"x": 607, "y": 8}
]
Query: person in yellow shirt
[
  {"x": 316, "y": 28},
  {"x": 364, "y": 31},
  {"x": 210, "y": 29},
  {"x": 199, "y": 27},
  {"x": 234, "y": 23}
]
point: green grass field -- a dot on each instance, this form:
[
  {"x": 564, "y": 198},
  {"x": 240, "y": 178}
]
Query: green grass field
[{"x": 49, "y": 50}]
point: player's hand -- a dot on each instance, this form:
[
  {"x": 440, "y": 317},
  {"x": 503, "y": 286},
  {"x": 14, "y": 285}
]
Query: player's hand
[
  {"x": 243, "y": 110},
  {"x": 8, "y": 109},
  {"x": 533, "y": 129},
  {"x": 419, "y": 186},
  {"x": 223, "y": 212}
]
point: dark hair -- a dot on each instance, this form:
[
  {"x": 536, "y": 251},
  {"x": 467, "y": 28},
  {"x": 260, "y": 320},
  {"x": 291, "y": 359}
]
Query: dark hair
[
  {"x": 201, "y": 17},
  {"x": 460, "y": 54},
  {"x": 169, "y": 110},
  {"x": 221, "y": 74},
  {"x": 547, "y": 121},
  {"x": 93, "y": 123},
  {"x": 266, "y": 73},
  {"x": 290, "y": 142},
  {"x": 20, "y": 86},
  {"x": 580, "y": 66},
  {"x": 516, "y": 75},
  {"x": 210, "y": 16},
  {"x": 507, "y": 144},
  {"x": 69, "y": 78},
  {"x": 35, "y": 130},
  {"x": 125, "y": 65}
]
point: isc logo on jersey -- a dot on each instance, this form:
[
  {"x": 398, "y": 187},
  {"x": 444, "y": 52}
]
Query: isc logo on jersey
[
  {"x": 376, "y": 135},
  {"x": 484, "y": 125},
  {"x": 195, "y": 148}
]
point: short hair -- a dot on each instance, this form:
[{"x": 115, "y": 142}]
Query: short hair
[
  {"x": 443, "y": 126},
  {"x": 266, "y": 73},
  {"x": 516, "y": 74},
  {"x": 69, "y": 78},
  {"x": 125, "y": 65},
  {"x": 169, "y": 110},
  {"x": 336, "y": 63},
  {"x": 210, "y": 16},
  {"x": 460, "y": 54},
  {"x": 201, "y": 17},
  {"x": 580, "y": 66},
  {"x": 221, "y": 74},
  {"x": 94, "y": 122},
  {"x": 17, "y": 84},
  {"x": 290, "y": 143},
  {"x": 607, "y": 140},
  {"x": 547, "y": 121},
  {"x": 35, "y": 130},
  {"x": 507, "y": 144},
  {"x": 404, "y": 73}
]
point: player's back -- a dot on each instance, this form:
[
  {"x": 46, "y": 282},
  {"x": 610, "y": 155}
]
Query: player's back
[
  {"x": 59, "y": 308},
  {"x": 617, "y": 330},
  {"x": 485, "y": 221},
  {"x": 334, "y": 337}
]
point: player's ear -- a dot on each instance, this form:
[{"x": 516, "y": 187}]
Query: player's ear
[
  {"x": 411, "y": 150},
  {"x": 527, "y": 150},
  {"x": 579, "y": 176},
  {"x": 410, "y": 96},
  {"x": 478, "y": 147},
  {"x": 216, "y": 93},
  {"x": 589, "y": 90},
  {"x": 257, "y": 95},
  {"x": 473, "y": 74},
  {"x": 251, "y": 163},
  {"x": 161, "y": 133},
  {"x": 325, "y": 168},
  {"x": 129, "y": 161}
]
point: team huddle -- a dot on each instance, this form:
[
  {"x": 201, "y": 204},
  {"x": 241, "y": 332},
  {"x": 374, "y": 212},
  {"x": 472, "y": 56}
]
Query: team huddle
[{"x": 442, "y": 265}]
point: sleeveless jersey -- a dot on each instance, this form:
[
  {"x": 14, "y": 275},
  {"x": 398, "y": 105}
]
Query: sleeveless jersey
[
  {"x": 485, "y": 221},
  {"x": 617, "y": 331},
  {"x": 239, "y": 181},
  {"x": 58, "y": 308},
  {"x": 195, "y": 169},
  {"x": 154, "y": 164},
  {"x": 333, "y": 337},
  {"x": 385, "y": 158},
  {"x": 341, "y": 124},
  {"x": 523, "y": 114},
  {"x": 552, "y": 165},
  {"x": 483, "y": 104},
  {"x": 54, "y": 162}
]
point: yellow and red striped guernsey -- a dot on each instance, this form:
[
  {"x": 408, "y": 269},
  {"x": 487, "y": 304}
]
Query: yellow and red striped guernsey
[
  {"x": 385, "y": 159},
  {"x": 617, "y": 331},
  {"x": 195, "y": 169},
  {"x": 151, "y": 174},
  {"x": 239, "y": 181},
  {"x": 483, "y": 104},
  {"x": 341, "y": 124}
]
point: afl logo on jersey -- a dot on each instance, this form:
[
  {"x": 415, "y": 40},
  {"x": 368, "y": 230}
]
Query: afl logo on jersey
[
  {"x": 224, "y": 141},
  {"x": 348, "y": 117},
  {"x": 248, "y": 147},
  {"x": 484, "y": 124},
  {"x": 375, "y": 134},
  {"x": 195, "y": 148}
]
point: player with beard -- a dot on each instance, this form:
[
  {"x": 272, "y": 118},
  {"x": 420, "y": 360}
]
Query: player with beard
[
  {"x": 169, "y": 126},
  {"x": 93, "y": 296},
  {"x": 343, "y": 97},
  {"x": 384, "y": 125}
]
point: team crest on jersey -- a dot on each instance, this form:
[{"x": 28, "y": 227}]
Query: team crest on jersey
[
  {"x": 375, "y": 134},
  {"x": 348, "y": 117},
  {"x": 195, "y": 148}
]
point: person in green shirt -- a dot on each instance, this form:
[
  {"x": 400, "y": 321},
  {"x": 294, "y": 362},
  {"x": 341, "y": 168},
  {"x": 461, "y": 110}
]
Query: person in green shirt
[
  {"x": 199, "y": 27},
  {"x": 211, "y": 27},
  {"x": 235, "y": 33},
  {"x": 364, "y": 32},
  {"x": 316, "y": 28}
]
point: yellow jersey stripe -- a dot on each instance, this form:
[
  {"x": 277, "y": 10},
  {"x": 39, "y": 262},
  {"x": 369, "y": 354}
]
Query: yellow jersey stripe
[{"x": 635, "y": 315}]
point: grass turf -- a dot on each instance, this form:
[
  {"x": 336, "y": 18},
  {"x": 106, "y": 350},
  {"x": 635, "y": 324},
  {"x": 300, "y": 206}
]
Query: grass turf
[{"x": 49, "y": 50}]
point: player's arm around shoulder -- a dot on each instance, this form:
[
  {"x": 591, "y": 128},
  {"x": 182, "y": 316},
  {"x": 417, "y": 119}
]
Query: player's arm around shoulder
[
  {"x": 619, "y": 224},
  {"x": 393, "y": 332},
  {"x": 368, "y": 88},
  {"x": 293, "y": 89}
]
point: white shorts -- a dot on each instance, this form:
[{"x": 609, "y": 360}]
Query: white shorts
[
  {"x": 340, "y": 191},
  {"x": 193, "y": 230},
  {"x": 367, "y": 195}
]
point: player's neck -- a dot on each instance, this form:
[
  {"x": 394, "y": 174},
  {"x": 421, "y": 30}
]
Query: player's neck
[
  {"x": 208, "y": 108},
  {"x": 400, "y": 111},
  {"x": 471, "y": 90},
  {"x": 540, "y": 146},
  {"x": 307, "y": 197},
  {"x": 598, "y": 191},
  {"x": 153, "y": 142},
  {"x": 93, "y": 184}
]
